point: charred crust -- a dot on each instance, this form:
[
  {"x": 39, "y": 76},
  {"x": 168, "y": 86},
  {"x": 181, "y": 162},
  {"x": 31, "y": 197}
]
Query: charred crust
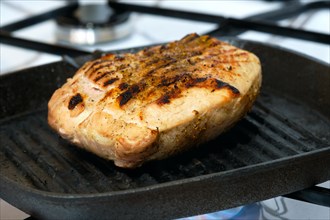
[
  {"x": 94, "y": 64},
  {"x": 101, "y": 67},
  {"x": 100, "y": 77},
  {"x": 168, "y": 81},
  {"x": 194, "y": 81},
  {"x": 161, "y": 74},
  {"x": 74, "y": 101},
  {"x": 187, "y": 81},
  {"x": 167, "y": 97},
  {"x": 124, "y": 97},
  {"x": 134, "y": 89},
  {"x": 170, "y": 62},
  {"x": 220, "y": 84},
  {"x": 110, "y": 81},
  {"x": 97, "y": 68},
  {"x": 123, "y": 86}
]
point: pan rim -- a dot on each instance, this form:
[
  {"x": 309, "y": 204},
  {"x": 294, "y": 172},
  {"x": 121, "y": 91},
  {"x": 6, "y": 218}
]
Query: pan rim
[{"x": 258, "y": 167}]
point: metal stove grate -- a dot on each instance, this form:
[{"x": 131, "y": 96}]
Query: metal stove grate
[{"x": 226, "y": 26}]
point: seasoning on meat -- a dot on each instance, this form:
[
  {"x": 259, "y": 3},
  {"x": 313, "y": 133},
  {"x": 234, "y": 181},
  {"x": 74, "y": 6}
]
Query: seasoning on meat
[{"x": 162, "y": 100}]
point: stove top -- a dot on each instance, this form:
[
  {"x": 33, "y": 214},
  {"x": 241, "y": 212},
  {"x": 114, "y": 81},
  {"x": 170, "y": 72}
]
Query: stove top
[{"x": 148, "y": 28}]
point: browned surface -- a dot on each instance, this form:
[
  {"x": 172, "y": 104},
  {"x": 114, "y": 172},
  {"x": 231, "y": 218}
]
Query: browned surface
[
  {"x": 170, "y": 68},
  {"x": 136, "y": 107}
]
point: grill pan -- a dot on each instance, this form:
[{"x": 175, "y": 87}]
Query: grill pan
[{"x": 281, "y": 146}]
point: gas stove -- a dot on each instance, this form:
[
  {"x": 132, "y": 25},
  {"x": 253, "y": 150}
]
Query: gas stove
[{"x": 87, "y": 26}]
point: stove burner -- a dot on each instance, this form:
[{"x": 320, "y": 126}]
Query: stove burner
[
  {"x": 92, "y": 24},
  {"x": 220, "y": 215}
]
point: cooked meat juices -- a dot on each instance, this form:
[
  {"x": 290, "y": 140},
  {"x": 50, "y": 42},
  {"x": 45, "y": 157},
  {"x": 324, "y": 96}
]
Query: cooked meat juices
[{"x": 133, "y": 108}]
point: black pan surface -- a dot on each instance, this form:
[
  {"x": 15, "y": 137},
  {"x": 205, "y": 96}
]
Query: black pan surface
[{"x": 281, "y": 146}]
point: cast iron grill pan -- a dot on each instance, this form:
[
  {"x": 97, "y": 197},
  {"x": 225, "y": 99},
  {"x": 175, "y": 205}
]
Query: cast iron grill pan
[{"x": 281, "y": 146}]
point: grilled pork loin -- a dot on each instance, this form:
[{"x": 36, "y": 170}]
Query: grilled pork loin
[{"x": 133, "y": 108}]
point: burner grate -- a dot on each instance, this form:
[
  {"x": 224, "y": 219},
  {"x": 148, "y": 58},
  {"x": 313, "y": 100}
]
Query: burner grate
[{"x": 227, "y": 26}]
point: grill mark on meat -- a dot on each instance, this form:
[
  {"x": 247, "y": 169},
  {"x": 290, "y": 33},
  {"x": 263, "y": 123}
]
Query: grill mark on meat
[
  {"x": 172, "y": 61},
  {"x": 102, "y": 75},
  {"x": 210, "y": 83},
  {"x": 161, "y": 74},
  {"x": 192, "y": 82},
  {"x": 221, "y": 84},
  {"x": 105, "y": 74},
  {"x": 110, "y": 81},
  {"x": 168, "y": 81},
  {"x": 74, "y": 101},
  {"x": 123, "y": 86},
  {"x": 124, "y": 97},
  {"x": 92, "y": 67},
  {"x": 167, "y": 97},
  {"x": 101, "y": 67},
  {"x": 97, "y": 69},
  {"x": 187, "y": 81}
]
